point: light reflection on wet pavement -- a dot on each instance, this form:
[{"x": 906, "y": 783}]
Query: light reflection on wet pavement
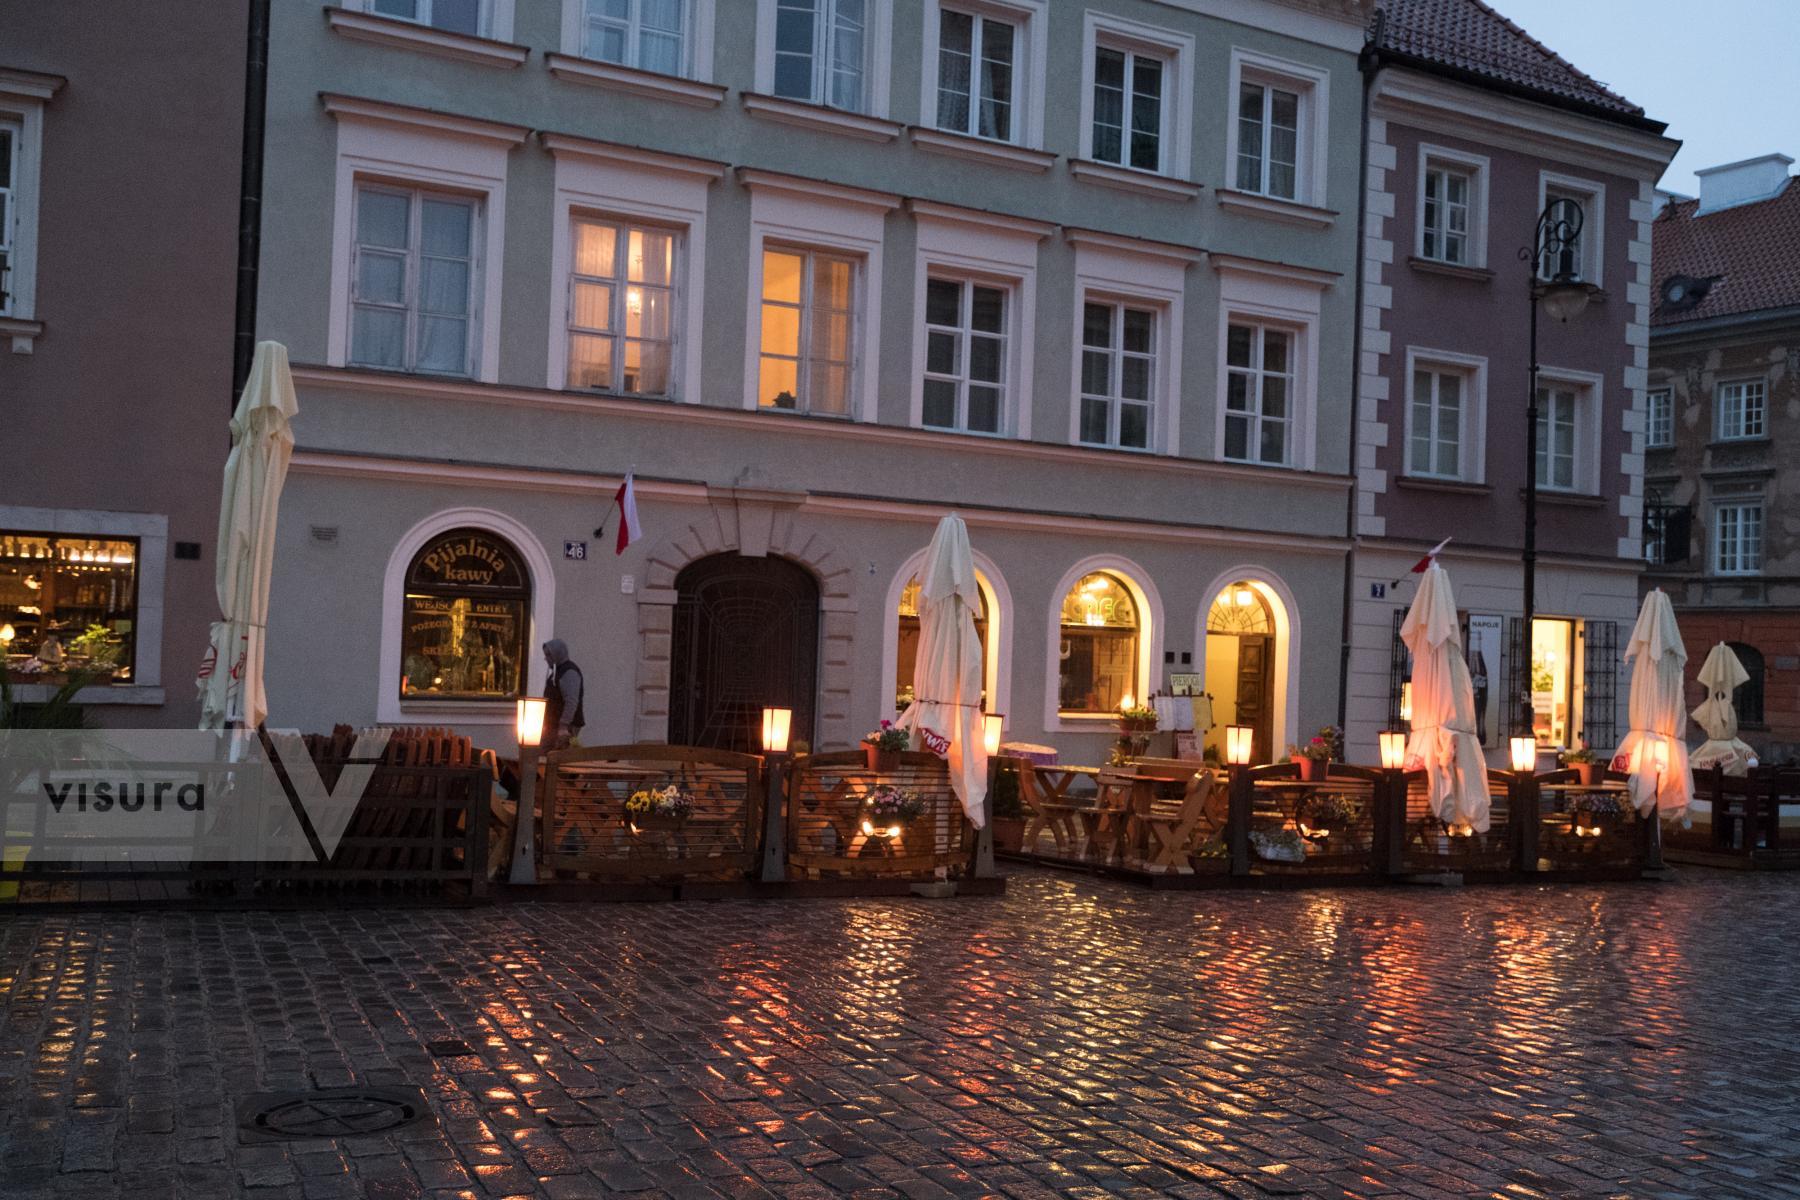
[{"x": 1074, "y": 1038}]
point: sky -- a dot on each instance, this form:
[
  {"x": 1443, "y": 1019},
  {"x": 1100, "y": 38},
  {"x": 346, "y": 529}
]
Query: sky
[{"x": 1725, "y": 74}]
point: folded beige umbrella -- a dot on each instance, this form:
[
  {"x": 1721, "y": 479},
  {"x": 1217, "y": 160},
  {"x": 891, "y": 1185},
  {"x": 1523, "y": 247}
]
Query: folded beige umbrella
[
  {"x": 1653, "y": 752},
  {"x": 949, "y": 674},
  {"x": 262, "y": 443},
  {"x": 1443, "y": 741},
  {"x": 1721, "y": 674}
]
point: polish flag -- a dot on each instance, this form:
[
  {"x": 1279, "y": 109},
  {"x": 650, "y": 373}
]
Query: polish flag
[
  {"x": 1424, "y": 564},
  {"x": 629, "y": 529}
]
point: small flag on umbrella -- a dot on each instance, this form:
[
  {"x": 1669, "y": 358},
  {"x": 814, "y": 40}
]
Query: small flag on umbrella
[
  {"x": 1424, "y": 564},
  {"x": 629, "y": 529}
]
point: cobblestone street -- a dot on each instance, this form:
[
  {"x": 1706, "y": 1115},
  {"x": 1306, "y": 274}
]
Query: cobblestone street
[{"x": 1076, "y": 1038}]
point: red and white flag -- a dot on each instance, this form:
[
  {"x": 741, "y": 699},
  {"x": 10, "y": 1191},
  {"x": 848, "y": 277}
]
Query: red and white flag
[
  {"x": 629, "y": 529},
  {"x": 1424, "y": 564}
]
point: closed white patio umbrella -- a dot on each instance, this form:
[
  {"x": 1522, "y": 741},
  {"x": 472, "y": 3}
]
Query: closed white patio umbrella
[
  {"x": 1443, "y": 741},
  {"x": 262, "y": 443},
  {"x": 1721, "y": 674},
  {"x": 947, "y": 680},
  {"x": 1653, "y": 752}
]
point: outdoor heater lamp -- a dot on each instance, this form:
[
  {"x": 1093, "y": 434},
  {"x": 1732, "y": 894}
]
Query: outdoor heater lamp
[
  {"x": 991, "y": 726},
  {"x": 1393, "y": 749},
  {"x": 1406, "y": 703},
  {"x": 1238, "y": 739},
  {"x": 1524, "y": 754},
  {"x": 777, "y": 724},
  {"x": 530, "y": 721}
]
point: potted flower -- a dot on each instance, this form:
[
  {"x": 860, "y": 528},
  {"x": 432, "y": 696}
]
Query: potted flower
[
  {"x": 882, "y": 747},
  {"x": 658, "y": 808},
  {"x": 1586, "y": 763},
  {"x": 1325, "y": 813},
  {"x": 1136, "y": 723},
  {"x": 1009, "y": 812},
  {"x": 1591, "y": 812},
  {"x": 888, "y": 810},
  {"x": 1315, "y": 756}
]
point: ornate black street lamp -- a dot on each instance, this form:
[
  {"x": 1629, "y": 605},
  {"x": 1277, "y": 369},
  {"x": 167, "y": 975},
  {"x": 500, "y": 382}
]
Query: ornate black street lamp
[{"x": 1554, "y": 262}]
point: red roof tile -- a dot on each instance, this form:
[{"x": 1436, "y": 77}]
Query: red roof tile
[
  {"x": 1753, "y": 250},
  {"x": 1467, "y": 35}
]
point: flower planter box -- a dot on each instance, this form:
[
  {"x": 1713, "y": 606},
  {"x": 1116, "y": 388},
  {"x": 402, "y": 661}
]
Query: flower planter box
[
  {"x": 887, "y": 761},
  {"x": 1312, "y": 770},
  {"x": 650, "y": 822}
]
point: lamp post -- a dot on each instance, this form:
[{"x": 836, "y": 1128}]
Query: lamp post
[
  {"x": 1524, "y": 792},
  {"x": 777, "y": 724},
  {"x": 993, "y": 726},
  {"x": 1554, "y": 263},
  {"x": 1239, "y": 741},
  {"x": 1390, "y": 830},
  {"x": 530, "y": 728}
]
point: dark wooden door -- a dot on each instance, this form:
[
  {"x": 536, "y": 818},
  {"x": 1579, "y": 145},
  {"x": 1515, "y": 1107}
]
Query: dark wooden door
[
  {"x": 1253, "y": 692},
  {"x": 746, "y": 636}
]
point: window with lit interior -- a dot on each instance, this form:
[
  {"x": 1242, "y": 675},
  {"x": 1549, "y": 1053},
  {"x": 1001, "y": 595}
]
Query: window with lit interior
[
  {"x": 907, "y": 656},
  {"x": 68, "y": 608},
  {"x": 621, "y": 308},
  {"x": 1099, "y": 646},
  {"x": 465, "y": 620}
]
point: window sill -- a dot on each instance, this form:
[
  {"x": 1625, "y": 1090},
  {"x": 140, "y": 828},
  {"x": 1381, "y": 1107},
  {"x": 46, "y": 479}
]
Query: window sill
[
  {"x": 1568, "y": 499},
  {"x": 1425, "y": 483},
  {"x": 137, "y": 694},
  {"x": 1286, "y": 211},
  {"x": 819, "y": 117},
  {"x": 1734, "y": 443},
  {"x": 638, "y": 83},
  {"x": 462, "y": 712},
  {"x": 982, "y": 150},
  {"x": 1431, "y": 266},
  {"x": 404, "y": 35},
  {"x": 1266, "y": 466},
  {"x": 1130, "y": 179},
  {"x": 21, "y": 332}
]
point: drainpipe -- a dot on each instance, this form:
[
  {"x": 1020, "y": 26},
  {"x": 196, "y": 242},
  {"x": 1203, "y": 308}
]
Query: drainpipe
[
  {"x": 249, "y": 256},
  {"x": 1369, "y": 63}
]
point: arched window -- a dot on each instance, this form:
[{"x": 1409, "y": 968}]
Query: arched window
[
  {"x": 1099, "y": 646},
  {"x": 465, "y": 619},
  {"x": 907, "y": 647},
  {"x": 1748, "y": 698}
]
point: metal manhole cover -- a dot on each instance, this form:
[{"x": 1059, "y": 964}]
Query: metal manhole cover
[{"x": 329, "y": 1113}]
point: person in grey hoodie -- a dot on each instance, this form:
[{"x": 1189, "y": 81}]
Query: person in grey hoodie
[{"x": 563, "y": 696}]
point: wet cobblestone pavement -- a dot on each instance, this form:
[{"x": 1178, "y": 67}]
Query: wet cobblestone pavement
[{"x": 1076, "y": 1038}]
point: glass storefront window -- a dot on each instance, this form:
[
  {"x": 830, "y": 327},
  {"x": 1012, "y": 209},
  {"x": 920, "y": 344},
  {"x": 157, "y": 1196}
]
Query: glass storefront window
[
  {"x": 907, "y": 658},
  {"x": 1552, "y": 680},
  {"x": 1099, "y": 647},
  {"x": 465, "y": 620},
  {"x": 68, "y": 606}
]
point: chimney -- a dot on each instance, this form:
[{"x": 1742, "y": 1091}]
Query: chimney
[{"x": 1743, "y": 182}]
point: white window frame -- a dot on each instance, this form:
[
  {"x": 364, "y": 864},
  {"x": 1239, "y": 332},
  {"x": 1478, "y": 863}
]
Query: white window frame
[
  {"x": 1031, "y": 50},
  {"x": 793, "y": 212},
  {"x": 964, "y": 333},
  {"x": 803, "y": 359},
  {"x": 494, "y": 22},
  {"x": 1748, "y": 556},
  {"x": 1590, "y": 401},
  {"x": 621, "y": 285},
  {"x": 1150, "y": 640},
  {"x": 997, "y": 667},
  {"x": 1261, "y": 293},
  {"x": 1472, "y": 445},
  {"x": 22, "y": 97},
  {"x": 1116, "y": 354},
  {"x": 1117, "y": 270},
  {"x": 1313, "y": 86},
  {"x": 956, "y": 243},
  {"x": 877, "y": 66},
  {"x": 700, "y": 17},
  {"x": 1479, "y": 168},
  {"x": 407, "y": 147},
  {"x": 1659, "y": 418},
  {"x": 625, "y": 184},
  {"x": 1592, "y": 195},
  {"x": 412, "y": 302},
  {"x": 1737, "y": 426},
  {"x": 1176, "y": 52}
]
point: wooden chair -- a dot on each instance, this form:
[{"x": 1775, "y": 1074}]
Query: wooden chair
[
  {"x": 1109, "y": 821},
  {"x": 1176, "y": 829},
  {"x": 1041, "y": 813}
]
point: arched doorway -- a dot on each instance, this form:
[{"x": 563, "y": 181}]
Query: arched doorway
[
  {"x": 1240, "y": 666},
  {"x": 745, "y": 636}
]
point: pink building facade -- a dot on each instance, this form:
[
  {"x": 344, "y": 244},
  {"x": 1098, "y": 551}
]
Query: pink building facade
[{"x": 1473, "y": 128}]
